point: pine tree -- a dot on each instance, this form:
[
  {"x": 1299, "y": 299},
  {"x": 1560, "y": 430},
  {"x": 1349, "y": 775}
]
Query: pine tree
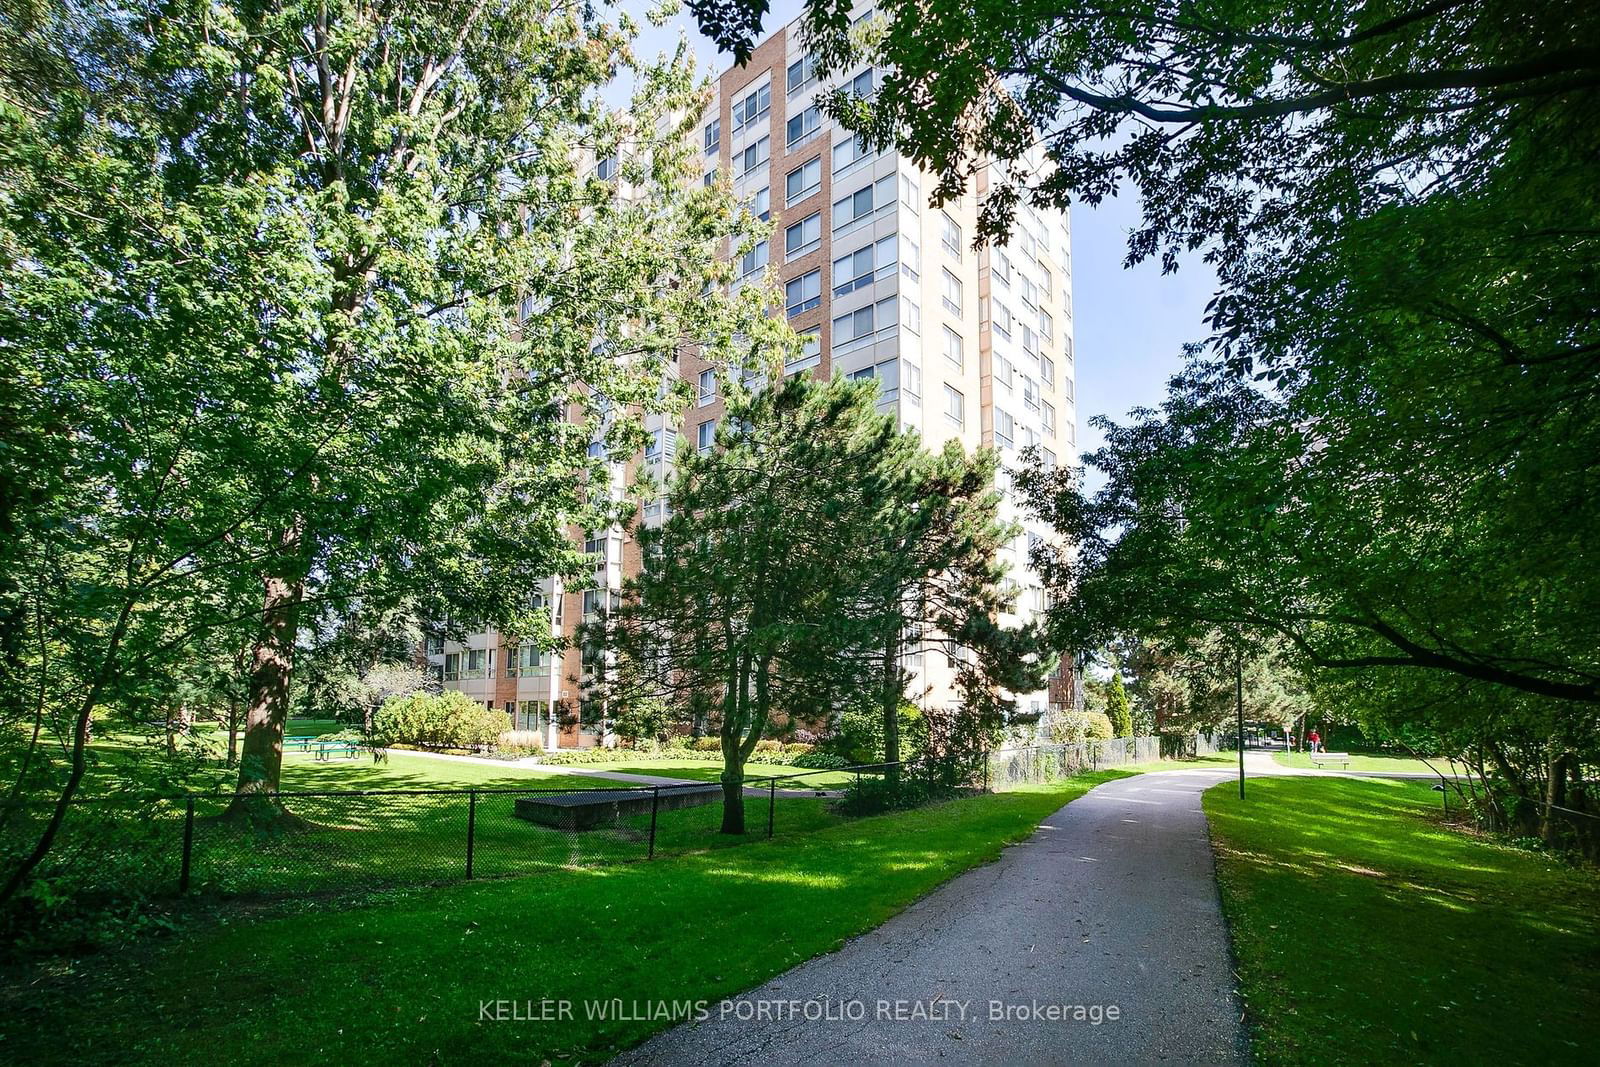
[{"x": 1117, "y": 708}]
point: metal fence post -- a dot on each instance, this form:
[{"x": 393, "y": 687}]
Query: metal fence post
[
  {"x": 472, "y": 825},
  {"x": 772, "y": 804},
  {"x": 655, "y": 804},
  {"x": 188, "y": 846}
]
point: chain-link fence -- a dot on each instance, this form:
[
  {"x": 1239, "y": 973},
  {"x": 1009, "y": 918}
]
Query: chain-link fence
[
  {"x": 1036, "y": 764},
  {"x": 334, "y": 840},
  {"x": 138, "y": 845}
]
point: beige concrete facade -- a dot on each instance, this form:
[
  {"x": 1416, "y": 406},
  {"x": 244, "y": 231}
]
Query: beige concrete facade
[{"x": 967, "y": 345}]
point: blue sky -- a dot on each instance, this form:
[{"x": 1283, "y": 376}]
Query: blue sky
[{"x": 1130, "y": 325}]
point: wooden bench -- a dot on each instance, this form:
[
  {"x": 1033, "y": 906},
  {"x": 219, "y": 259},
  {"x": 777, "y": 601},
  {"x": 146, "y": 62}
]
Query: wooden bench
[{"x": 1341, "y": 758}]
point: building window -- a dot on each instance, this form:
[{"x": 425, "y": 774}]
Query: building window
[
  {"x": 706, "y": 435},
  {"x": 1047, "y": 370},
  {"x": 752, "y": 107},
  {"x": 950, "y": 235},
  {"x": 1003, "y": 372},
  {"x": 452, "y": 667},
  {"x": 713, "y": 136},
  {"x": 911, "y": 379},
  {"x": 1002, "y": 267},
  {"x": 660, "y": 445},
  {"x": 955, "y": 406},
  {"x": 708, "y": 387},
  {"x": 803, "y": 125},
  {"x": 848, "y": 152},
  {"x": 804, "y": 180},
  {"x": 803, "y": 293},
  {"x": 761, "y": 203},
  {"x": 1047, "y": 325},
  {"x": 862, "y": 323},
  {"x": 863, "y": 202},
  {"x": 1030, "y": 340},
  {"x": 1048, "y": 415},
  {"x": 606, "y": 169},
  {"x": 754, "y": 260},
  {"x": 1030, "y": 293},
  {"x": 1002, "y": 319},
  {"x": 861, "y": 84},
  {"x": 754, "y": 156},
  {"x": 952, "y": 346},
  {"x": 1030, "y": 393},
  {"x": 911, "y": 314},
  {"x": 802, "y": 72},
  {"x": 911, "y": 193},
  {"x": 861, "y": 267},
  {"x": 910, "y": 258},
  {"x": 1004, "y": 428},
  {"x": 951, "y": 297},
  {"x": 804, "y": 236},
  {"x": 810, "y": 351}
]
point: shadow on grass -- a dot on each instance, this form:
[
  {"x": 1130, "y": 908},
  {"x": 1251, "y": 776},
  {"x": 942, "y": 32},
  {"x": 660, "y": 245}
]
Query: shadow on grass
[{"x": 1363, "y": 922}]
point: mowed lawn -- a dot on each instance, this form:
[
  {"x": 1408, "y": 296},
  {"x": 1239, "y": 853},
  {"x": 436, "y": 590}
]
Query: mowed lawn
[
  {"x": 401, "y": 978},
  {"x": 1367, "y": 931},
  {"x": 395, "y": 837},
  {"x": 1360, "y": 762}
]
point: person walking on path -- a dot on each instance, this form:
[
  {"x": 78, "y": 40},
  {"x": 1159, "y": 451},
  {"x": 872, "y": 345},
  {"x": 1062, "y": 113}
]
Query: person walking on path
[{"x": 1315, "y": 740}]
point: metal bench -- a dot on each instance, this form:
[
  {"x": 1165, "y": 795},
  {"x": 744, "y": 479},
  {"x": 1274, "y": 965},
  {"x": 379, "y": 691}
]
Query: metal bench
[{"x": 1320, "y": 758}]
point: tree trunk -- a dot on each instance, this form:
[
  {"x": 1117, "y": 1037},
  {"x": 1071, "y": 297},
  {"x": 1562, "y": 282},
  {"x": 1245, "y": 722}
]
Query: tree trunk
[
  {"x": 267, "y": 712},
  {"x": 891, "y": 704},
  {"x": 1555, "y": 796},
  {"x": 234, "y": 714},
  {"x": 732, "y": 792}
]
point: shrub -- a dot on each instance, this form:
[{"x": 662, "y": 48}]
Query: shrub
[
  {"x": 707, "y": 744},
  {"x": 520, "y": 742},
  {"x": 569, "y": 757},
  {"x": 446, "y": 720},
  {"x": 799, "y": 749},
  {"x": 805, "y": 737},
  {"x": 676, "y": 743},
  {"x": 1070, "y": 727},
  {"x": 768, "y": 746},
  {"x": 872, "y": 795},
  {"x": 1098, "y": 726},
  {"x": 820, "y": 761}
]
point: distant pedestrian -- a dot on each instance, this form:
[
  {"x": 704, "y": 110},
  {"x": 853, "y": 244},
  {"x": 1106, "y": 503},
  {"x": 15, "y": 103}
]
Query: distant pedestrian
[{"x": 1314, "y": 739}]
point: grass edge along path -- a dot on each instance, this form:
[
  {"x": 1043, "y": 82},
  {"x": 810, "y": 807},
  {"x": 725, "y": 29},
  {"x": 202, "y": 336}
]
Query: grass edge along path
[
  {"x": 1360, "y": 761},
  {"x": 1367, "y": 931},
  {"x": 404, "y": 977}
]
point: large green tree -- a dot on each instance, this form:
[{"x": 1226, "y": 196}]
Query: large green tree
[
  {"x": 753, "y": 585},
  {"x": 319, "y": 304}
]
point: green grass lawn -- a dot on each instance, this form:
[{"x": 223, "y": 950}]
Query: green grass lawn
[
  {"x": 1359, "y": 762},
  {"x": 400, "y": 978},
  {"x": 1366, "y": 931},
  {"x": 362, "y": 842}
]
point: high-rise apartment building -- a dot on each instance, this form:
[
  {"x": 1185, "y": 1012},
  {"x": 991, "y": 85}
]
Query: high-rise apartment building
[{"x": 967, "y": 345}]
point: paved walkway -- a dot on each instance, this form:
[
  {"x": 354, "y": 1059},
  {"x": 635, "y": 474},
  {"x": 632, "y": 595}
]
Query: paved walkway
[{"x": 1112, "y": 902}]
